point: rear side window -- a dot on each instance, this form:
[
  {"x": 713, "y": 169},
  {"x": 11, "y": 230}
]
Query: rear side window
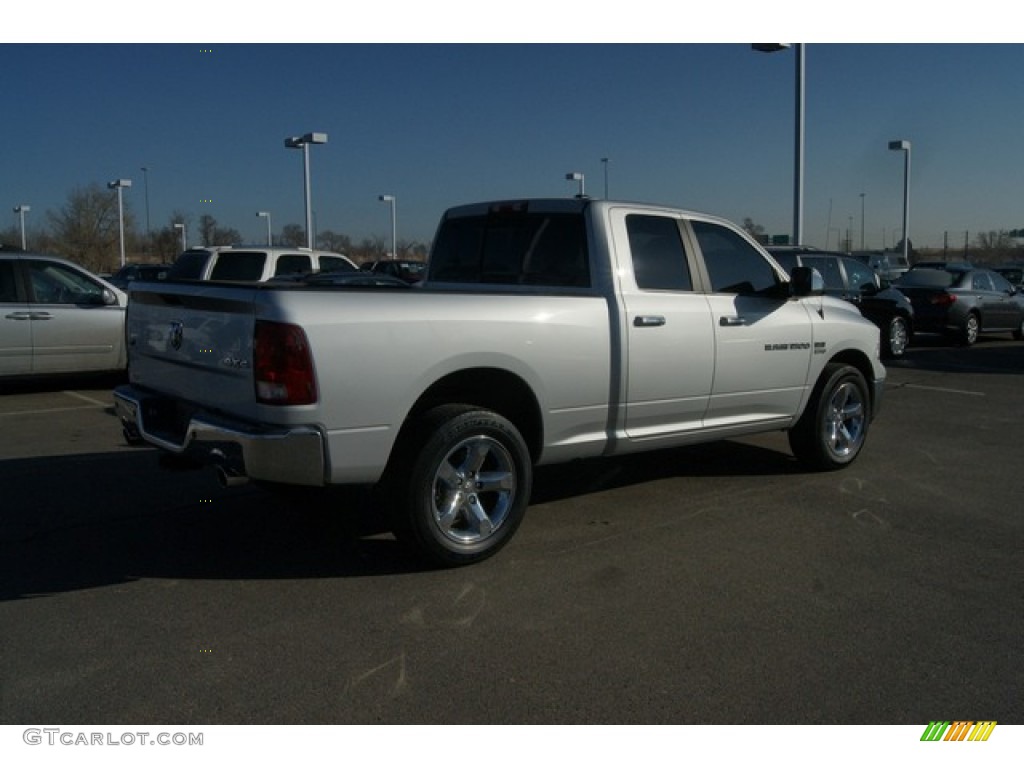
[
  {"x": 659, "y": 259},
  {"x": 518, "y": 248},
  {"x": 733, "y": 264},
  {"x": 239, "y": 265},
  {"x": 335, "y": 264},
  {"x": 189, "y": 266},
  {"x": 8, "y": 291},
  {"x": 293, "y": 263}
]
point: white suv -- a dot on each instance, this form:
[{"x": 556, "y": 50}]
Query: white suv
[{"x": 254, "y": 263}]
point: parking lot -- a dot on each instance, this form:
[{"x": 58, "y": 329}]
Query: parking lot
[{"x": 716, "y": 584}]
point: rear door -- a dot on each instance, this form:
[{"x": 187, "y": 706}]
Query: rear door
[
  {"x": 670, "y": 342},
  {"x": 15, "y": 322}
]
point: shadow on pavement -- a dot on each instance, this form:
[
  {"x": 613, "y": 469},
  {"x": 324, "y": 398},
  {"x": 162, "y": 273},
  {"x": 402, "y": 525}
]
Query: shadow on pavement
[{"x": 77, "y": 522}]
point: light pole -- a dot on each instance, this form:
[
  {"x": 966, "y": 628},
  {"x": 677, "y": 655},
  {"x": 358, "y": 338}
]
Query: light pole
[
  {"x": 862, "y": 221},
  {"x": 798, "y": 170},
  {"x": 904, "y": 146},
  {"x": 577, "y": 176},
  {"x": 394, "y": 226},
  {"x": 120, "y": 184},
  {"x": 270, "y": 236},
  {"x": 182, "y": 228},
  {"x": 303, "y": 142},
  {"x": 21, "y": 210},
  {"x": 604, "y": 162},
  {"x": 145, "y": 185}
]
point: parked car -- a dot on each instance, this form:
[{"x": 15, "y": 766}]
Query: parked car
[
  {"x": 56, "y": 317},
  {"x": 130, "y": 272},
  {"x": 956, "y": 264},
  {"x": 855, "y": 281},
  {"x": 1014, "y": 273},
  {"x": 254, "y": 263},
  {"x": 963, "y": 302},
  {"x": 888, "y": 265},
  {"x": 409, "y": 270}
]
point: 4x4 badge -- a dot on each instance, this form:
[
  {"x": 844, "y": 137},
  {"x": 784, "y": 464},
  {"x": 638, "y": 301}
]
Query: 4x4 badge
[{"x": 177, "y": 333}]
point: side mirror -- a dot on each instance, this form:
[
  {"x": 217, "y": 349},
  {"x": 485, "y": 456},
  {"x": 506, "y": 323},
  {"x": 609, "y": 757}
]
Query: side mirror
[
  {"x": 806, "y": 281},
  {"x": 109, "y": 299}
]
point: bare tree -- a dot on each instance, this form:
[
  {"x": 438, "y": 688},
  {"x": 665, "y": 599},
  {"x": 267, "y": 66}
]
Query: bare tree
[
  {"x": 994, "y": 247},
  {"x": 211, "y": 233},
  {"x": 87, "y": 228},
  {"x": 754, "y": 230},
  {"x": 334, "y": 241},
  {"x": 293, "y": 235}
]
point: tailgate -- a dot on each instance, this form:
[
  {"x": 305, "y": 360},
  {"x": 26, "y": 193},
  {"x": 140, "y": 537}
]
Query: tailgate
[{"x": 194, "y": 342}]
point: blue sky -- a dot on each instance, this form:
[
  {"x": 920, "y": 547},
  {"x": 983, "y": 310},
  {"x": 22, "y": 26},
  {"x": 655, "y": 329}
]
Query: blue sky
[{"x": 705, "y": 126}]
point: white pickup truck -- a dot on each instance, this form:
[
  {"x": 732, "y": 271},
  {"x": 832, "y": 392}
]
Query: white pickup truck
[{"x": 545, "y": 331}]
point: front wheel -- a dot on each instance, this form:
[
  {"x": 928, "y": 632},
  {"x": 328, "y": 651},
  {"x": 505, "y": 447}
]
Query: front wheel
[
  {"x": 831, "y": 432},
  {"x": 897, "y": 337},
  {"x": 467, "y": 486}
]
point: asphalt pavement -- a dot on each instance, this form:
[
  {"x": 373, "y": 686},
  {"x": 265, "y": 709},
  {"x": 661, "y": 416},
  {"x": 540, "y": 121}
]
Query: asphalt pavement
[{"x": 714, "y": 584}]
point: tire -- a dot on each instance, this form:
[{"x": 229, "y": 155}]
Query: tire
[
  {"x": 896, "y": 337},
  {"x": 969, "y": 333},
  {"x": 831, "y": 432},
  {"x": 461, "y": 486}
]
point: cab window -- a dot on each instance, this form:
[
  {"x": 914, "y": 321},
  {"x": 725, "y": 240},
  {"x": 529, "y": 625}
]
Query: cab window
[
  {"x": 733, "y": 264},
  {"x": 659, "y": 258}
]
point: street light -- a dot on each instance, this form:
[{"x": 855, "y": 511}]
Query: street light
[
  {"x": 145, "y": 184},
  {"x": 903, "y": 145},
  {"x": 798, "y": 170},
  {"x": 577, "y": 176},
  {"x": 862, "y": 221},
  {"x": 266, "y": 215},
  {"x": 21, "y": 210},
  {"x": 182, "y": 228},
  {"x": 120, "y": 184},
  {"x": 303, "y": 142},
  {"x": 394, "y": 230}
]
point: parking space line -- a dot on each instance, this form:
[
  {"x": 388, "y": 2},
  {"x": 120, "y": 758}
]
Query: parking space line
[
  {"x": 80, "y": 396},
  {"x": 946, "y": 390}
]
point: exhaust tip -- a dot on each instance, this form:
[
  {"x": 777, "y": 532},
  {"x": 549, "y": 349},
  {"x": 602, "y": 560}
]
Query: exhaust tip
[{"x": 228, "y": 478}]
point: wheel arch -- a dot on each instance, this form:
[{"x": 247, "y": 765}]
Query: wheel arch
[
  {"x": 491, "y": 389},
  {"x": 860, "y": 361}
]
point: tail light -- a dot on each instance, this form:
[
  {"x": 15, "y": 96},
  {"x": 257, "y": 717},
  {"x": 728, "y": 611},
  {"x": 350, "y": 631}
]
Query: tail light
[
  {"x": 943, "y": 299},
  {"x": 282, "y": 365}
]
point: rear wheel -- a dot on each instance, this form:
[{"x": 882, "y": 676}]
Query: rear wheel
[
  {"x": 969, "y": 333},
  {"x": 831, "y": 432},
  {"x": 466, "y": 485}
]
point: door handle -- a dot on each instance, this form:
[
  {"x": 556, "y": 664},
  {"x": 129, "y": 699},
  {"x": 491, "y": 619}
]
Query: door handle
[
  {"x": 19, "y": 316},
  {"x": 648, "y": 321},
  {"x": 731, "y": 320},
  {"x": 40, "y": 316}
]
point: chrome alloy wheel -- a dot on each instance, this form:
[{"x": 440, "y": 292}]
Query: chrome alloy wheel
[
  {"x": 845, "y": 420},
  {"x": 899, "y": 337},
  {"x": 473, "y": 490}
]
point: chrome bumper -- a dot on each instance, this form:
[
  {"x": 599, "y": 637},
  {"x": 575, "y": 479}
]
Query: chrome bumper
[{"x": 292, "y": 455}]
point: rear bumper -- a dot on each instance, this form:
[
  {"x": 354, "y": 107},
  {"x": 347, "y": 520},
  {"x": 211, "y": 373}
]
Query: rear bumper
[{"x": 292, "y": 455}]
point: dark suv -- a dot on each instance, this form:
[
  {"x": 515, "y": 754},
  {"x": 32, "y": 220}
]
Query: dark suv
[{"x": 853, "y": 280}]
